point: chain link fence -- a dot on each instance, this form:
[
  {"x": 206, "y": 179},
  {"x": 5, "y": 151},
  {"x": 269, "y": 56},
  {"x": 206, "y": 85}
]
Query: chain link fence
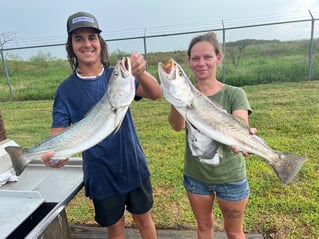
[{"x": 267, "y": 50}]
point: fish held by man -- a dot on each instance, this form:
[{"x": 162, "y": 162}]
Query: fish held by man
[
  {"x": 104, "y": 118},
  {"x": 213, "y": 121}
]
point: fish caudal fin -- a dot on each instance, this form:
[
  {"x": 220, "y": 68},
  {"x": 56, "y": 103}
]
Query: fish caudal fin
[
  {"x": 18, "y": 163},
  {"x": 287, "y": 166}
]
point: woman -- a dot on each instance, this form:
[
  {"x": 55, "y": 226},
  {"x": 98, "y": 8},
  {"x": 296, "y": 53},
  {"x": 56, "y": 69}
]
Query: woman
[
  {"x": 224, "y": 178},
  {"x": 116, "y": 175}
]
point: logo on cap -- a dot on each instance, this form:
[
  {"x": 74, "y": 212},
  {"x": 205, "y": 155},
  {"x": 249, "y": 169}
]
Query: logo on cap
[{"x": 82, "y": 19}]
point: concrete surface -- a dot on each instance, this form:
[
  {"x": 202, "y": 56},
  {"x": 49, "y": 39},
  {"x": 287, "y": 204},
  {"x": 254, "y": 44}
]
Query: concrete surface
[{"x": 79, "y": 232}]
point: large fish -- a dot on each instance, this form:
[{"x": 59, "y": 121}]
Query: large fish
[
  {"x": 213, "y": 121},
  {"x": 104, "y": 118}
]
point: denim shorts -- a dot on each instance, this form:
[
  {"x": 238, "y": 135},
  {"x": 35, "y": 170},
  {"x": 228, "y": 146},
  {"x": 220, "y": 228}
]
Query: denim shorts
[
  {"x": 138, "y": 201},
  {"x": 234, "y": 192}
]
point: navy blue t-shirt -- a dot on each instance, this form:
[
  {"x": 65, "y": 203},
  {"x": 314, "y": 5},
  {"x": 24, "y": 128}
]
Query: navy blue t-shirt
[{"x": 116, "y": 165}]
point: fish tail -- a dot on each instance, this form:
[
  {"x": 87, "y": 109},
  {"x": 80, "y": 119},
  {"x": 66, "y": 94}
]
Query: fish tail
[
  {"x": 18, "y": 163},
  {"x": 287, "y": 166}
]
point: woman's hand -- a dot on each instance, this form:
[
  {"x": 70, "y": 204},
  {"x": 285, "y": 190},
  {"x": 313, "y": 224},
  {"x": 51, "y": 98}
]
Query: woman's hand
[
  {"x": 252, "y": 131},
  {"x": 51, "y": 162}
]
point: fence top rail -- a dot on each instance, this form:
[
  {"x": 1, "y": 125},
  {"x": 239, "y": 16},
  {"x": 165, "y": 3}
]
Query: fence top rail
[{"x": 171, "y": 34}]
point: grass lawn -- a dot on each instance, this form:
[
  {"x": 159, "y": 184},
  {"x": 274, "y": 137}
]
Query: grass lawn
[{"x": 286, "y": 116}]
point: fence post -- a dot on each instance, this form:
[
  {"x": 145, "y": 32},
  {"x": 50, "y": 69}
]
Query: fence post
[
  {"x": 224, "y": 53},
  {"x": 145, "y": 50},
  {"x": 311, "y": 47},
  {"x": 7, "y": 74}
]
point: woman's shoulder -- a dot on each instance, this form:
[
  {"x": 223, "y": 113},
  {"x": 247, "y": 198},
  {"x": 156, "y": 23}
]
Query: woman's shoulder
[
  {"x": 233, "y": 90},
  {"x": 232, "y": 87}
]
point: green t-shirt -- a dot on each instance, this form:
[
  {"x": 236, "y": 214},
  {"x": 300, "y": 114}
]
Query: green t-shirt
[{"x": 231, "y": 167}]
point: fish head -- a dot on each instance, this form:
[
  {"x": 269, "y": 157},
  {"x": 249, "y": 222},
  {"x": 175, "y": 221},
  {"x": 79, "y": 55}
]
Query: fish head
[
  {"x": 121, "y": 88},
  {"x": 175, "y": 85}
]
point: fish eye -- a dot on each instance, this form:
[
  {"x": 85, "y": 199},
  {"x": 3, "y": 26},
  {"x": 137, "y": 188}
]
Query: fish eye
[
  {"x": 116, "y": 73},
  {"x": 180, "y": 73}
]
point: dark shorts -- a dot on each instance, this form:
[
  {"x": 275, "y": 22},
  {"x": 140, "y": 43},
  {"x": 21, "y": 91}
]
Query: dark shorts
[
  {"x": 108, "y": 211},
  {"x": 234, "y": 192}
]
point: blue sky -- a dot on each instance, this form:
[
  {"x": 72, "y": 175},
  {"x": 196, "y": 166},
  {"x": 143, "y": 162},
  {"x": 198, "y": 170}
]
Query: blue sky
[{"x": 38, "y": 21}]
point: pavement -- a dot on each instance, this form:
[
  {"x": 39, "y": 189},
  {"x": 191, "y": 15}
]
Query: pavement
[
  {"x": 78, "y": 232},
  {"x": 183, "y": 234}
]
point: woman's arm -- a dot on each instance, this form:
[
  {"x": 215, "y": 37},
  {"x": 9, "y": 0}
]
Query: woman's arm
[{"x": 176, "y": 120}]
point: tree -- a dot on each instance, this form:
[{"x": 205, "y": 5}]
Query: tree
[{"x": 6, "y": 37}]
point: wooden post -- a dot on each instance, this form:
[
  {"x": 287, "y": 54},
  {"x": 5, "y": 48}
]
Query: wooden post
[{"x": 3, "y": 135}]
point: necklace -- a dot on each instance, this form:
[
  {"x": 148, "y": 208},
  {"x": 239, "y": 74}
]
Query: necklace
[{"x": 89, "y": 77}]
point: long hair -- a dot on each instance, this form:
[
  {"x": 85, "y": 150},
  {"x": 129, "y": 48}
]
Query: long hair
[{"x": 104, "y": 56}]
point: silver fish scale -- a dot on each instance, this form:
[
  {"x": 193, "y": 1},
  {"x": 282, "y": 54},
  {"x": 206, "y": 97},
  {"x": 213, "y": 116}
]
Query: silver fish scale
[
  {"x": 121, "y": 89},
  {"x": 103, "y": 119},
  {"x": 214, "y": 122}
]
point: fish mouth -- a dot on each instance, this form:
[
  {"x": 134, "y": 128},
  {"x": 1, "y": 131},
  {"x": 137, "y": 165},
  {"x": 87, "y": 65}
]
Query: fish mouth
[
  {"x": 126, "y": 67},
  {"x": 127, "y": 63},
  {"x": 169, "y": 70},
  {"x": 168, "y": 67}
]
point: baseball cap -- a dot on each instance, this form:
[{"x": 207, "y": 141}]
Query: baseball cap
[{"x": 82, "y": 19}]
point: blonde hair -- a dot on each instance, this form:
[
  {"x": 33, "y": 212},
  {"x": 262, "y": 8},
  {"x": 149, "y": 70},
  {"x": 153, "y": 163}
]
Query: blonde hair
[{"x": 210, "y": 37}]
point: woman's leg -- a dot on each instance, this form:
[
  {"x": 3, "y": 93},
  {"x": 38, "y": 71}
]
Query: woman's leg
[
  {"x": 202, "y": 206},
  {"x": 233, "y": 213}
]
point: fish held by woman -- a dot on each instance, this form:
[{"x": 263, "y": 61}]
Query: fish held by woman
[{"x": 213, "y": 121}]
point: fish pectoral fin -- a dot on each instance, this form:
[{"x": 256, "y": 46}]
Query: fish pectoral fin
[
  {"x": 213, "y": 161},
  {"x": 117, "y": 127},
  {"x": 114, "y": 110},
  {"x": 220, "y": 151},
  {"x": 117, "y": 120}
]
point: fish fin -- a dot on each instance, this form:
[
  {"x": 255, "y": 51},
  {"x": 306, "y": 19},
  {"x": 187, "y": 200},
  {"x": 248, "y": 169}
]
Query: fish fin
[
  {"x": 287, "y": 166},
  {"x": 117, "y": 127},
  {"x": 220, "y": 151},
  {"x": 214, "y": 160},
  {"x": 18, "y": 163}
]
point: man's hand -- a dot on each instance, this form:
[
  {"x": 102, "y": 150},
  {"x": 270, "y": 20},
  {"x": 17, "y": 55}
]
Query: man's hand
[
  {"x": 138, "y": 64},
  {"x": 51, "y": 162}
]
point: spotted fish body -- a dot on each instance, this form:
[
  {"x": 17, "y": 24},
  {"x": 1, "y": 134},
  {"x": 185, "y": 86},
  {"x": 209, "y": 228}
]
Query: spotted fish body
[
  {"x": 213, "y": 121},
  {"x": 104, "y": 118}
]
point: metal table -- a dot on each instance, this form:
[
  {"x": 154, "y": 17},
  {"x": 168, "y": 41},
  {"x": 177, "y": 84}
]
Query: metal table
[{"x": 38, "y": 198}]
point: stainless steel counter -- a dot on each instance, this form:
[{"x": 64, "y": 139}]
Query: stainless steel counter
[{"x": 39, "y": 190}]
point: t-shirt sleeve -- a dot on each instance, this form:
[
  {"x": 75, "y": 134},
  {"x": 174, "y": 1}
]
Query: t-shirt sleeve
[
  {"x": 240, "y": 101},
  {"x": 60, "y": 117}
]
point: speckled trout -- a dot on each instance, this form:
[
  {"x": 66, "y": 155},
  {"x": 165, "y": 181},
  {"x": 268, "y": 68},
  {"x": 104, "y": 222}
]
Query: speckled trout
[
  {"x": 103, "y": 119},
  {"x": 214, "y": 122}
]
